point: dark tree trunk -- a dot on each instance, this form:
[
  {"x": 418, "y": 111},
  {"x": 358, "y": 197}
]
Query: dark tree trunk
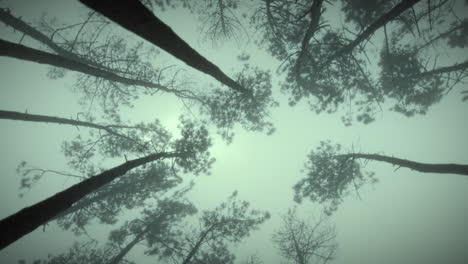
[
  {"x": 80, "y": 205},
  {"x": 17, "y": 24},
  {"x": 26, "y": 220},
  {"x": 25, "y": 53},
  {"x": 422, "y": 167},
  {"x": 135, "y": 17},
  {"x": 380, "y": 22},
  {"x": 12, "y": 115},
  {"x": 63, "y": 121}
]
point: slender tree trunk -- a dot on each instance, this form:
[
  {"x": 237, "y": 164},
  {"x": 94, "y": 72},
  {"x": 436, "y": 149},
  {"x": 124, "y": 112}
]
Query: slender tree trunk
[
  {"x": 124, "y": 251},
  {"x": 457, "y": 67},
  {"x": 63, "y": 121},
  {"x": 197, "y": 246},
  {"x": 422, "y": 167},
  {"x": 17, "y": 24},
  {"x": 299, "y": 252},
  {"x": 440, "y": 36},
  {"x": 12, "y": 115},
  {"x": 315, "y": 15},
  {"x": 26, "y": 220},
  {"x": 25, "y": 53},
  {"x": 135, "y": 17},
  {"x": 380, "y": 22}
]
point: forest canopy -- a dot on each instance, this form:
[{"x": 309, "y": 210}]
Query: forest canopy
[{"x": 215, "y": 73}]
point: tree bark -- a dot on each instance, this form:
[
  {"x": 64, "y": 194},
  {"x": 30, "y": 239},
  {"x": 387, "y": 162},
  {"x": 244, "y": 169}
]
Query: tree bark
[
  {"x": 119, "y": 257},
  {"x": 62, "y": 121},
  {"x": 442, "y": 35},
  {"x": 135, "y": 17},
  {"x": 17, "y": 24},
  {"x": 315, "y": 15},
  {"x": 79, "y": 205},
  {"x": 12, "y": 115},
  {"x": 380, "y": 22},
  {"x": 197, "y": 246},
  {"x": 25, "y": 53},
  {"x": 418, "y": 166},
  {"x": 457, "y": 67},
  {"x": 26, "y": 220}
]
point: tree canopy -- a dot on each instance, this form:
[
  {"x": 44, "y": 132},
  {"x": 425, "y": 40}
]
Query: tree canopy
[{"x": 135, "y": 174}]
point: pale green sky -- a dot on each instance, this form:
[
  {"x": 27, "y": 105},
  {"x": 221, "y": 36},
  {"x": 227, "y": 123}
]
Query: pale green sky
[{"x": 408, "y": 217}]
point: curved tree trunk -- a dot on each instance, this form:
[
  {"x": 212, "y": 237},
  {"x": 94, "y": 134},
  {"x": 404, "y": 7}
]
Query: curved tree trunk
[
  {"x": 135, "y": 17},
  {"x": 418, "y": 166},
  {"x": 26, "y": 220}
]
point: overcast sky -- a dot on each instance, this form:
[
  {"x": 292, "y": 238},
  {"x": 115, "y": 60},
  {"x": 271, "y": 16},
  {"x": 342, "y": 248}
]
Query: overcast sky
[{"x": 408, "y": 217}]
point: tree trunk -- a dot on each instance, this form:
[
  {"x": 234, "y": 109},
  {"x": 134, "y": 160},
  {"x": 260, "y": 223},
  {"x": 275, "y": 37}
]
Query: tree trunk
[
  {"x": 26, "y": 220},
  {"x": 315, "y": 15},
  {"x": 124, "y": 251},
  {"x": 198, "y": 245},
  {"x": 297, "y": 249},
  {"x": 18, "y": 24},
  {"x": 12, "y": 115},
  {"x": 79, "y": 205},
  {"x": 422, "y": 167},
  {"x": 25, "y": 53},
  {"x": 442, "y": 35},
  {"x": 457, "y": 67},
  {"x": 380, "y": 22},
  {"x": 135, "y": 17},
  {"x": 62, "y": 121}
]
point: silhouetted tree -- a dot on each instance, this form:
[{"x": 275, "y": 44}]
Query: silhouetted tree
[
  {"x": 305, "y": 242},
  {"x": 135, "y": 17},
  {"x": 328, "y": 64},
  {"x": 130, "y": 191},
  {"x": 219, "y": 18},
  {"x": 332, "y": 175},
  {"x": 115, "y": 72},
  {"x": 139, "y": 185},
  {"x": 228, "y": 223},
  {"x": 189, "y": 153},
  {"x": 154, "y": 226},
  {"x": 112, "y": 74},
  {"x": 227, "y": 108}
]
